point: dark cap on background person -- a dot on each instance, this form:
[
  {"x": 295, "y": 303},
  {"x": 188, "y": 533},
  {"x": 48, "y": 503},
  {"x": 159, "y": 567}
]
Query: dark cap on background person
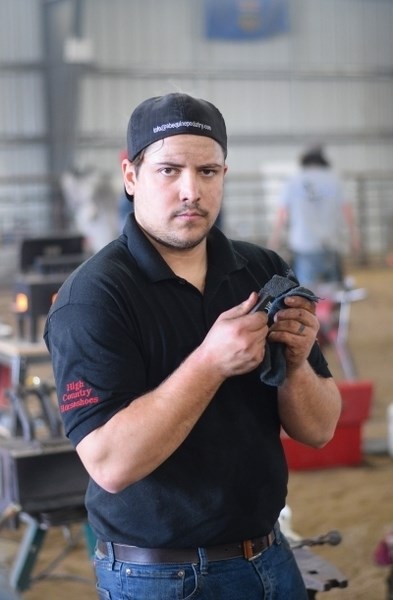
[
  {"x": 173, "y": 114},
  {"x": 314, "y": 155}
]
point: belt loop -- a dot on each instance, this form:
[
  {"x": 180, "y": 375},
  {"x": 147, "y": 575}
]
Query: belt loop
[
  {"x": 203, "y": 561},
  {"x": 277, "y": 533},
  {"x": 111, "y": 553}
]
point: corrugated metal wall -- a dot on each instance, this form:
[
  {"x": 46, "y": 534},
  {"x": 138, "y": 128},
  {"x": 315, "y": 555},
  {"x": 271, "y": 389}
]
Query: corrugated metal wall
[{"x": 330, "y": 79}]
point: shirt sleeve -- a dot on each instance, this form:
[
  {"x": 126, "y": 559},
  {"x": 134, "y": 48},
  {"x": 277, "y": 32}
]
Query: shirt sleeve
[
  {"x": 97, "y": 366},
  {"x": 318, "y": 361}
]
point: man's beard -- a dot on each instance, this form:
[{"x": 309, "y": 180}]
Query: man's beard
[
  {"x": 173, "y": 241},
  {"x": 170, "y": 239}
]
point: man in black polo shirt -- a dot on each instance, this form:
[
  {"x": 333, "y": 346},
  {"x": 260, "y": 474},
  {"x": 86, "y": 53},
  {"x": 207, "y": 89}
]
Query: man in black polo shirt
[{"x": 157, "y": 358}]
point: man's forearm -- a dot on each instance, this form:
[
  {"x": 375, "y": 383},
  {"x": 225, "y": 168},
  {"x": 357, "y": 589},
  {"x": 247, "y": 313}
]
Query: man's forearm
[
  {"x": 309, "y": 406},
  {"x": 150, "y": 429}
]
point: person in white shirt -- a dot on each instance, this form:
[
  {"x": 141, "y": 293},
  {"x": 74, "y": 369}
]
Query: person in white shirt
[{"x": 313, "y": 209}]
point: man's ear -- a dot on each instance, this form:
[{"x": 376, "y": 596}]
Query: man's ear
[{"x": 129, "y": 176}]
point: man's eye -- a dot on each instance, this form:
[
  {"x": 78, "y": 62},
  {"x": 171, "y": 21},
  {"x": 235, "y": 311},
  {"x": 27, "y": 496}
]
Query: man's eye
[
  {"x": 209, "y": 172},
  {"x": 168, "y": 171}
]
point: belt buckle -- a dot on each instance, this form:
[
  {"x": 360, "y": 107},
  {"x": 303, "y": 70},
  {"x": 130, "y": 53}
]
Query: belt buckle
[
  {"x": 248, "y": 549},
  {"x": 248, "y": 546}
]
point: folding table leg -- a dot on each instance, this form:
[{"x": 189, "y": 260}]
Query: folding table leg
[{"x": 27, "y": 554}]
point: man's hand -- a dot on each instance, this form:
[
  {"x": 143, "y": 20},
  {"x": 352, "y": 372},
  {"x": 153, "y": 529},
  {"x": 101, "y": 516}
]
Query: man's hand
[
  {"x": 236, "y": 342},
  {"x": 297, "y": 327}
]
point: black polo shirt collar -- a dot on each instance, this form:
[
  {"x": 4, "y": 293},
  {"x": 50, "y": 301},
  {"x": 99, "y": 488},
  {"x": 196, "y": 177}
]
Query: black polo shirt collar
[{"x": 222, "y": 257}]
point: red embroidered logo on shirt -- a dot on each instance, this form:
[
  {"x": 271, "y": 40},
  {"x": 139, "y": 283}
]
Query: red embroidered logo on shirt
[{"x": 77, "y": 395}]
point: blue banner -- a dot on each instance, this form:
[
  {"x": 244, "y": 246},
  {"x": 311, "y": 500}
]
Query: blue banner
[{"x": 245, "y": 19}]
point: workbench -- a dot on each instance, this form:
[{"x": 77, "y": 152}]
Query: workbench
[{"x": 16, "y": 357}]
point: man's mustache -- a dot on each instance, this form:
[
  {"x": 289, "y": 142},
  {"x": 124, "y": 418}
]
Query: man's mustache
[{"x": 191, "y": 208}]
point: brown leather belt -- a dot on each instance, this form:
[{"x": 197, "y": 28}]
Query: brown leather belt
[{"x": 133, "y": 554}]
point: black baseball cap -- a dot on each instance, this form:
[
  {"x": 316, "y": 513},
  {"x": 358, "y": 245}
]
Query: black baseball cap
[
  {"x": 173, "y": 114},
  {"x": 163, "y": 116}
]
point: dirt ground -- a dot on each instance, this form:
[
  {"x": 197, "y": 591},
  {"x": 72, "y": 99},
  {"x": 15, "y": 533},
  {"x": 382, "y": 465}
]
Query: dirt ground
[{"x": 356, "y": 500}]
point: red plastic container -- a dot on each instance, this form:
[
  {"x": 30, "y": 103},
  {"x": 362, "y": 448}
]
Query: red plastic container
[
  {"x": 345, "y": 449},
  {"x": 5, "y": 382}
]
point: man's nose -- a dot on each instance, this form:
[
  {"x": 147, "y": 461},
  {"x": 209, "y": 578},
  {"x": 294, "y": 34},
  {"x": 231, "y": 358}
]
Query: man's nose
[{"x": 189, "y": 187}]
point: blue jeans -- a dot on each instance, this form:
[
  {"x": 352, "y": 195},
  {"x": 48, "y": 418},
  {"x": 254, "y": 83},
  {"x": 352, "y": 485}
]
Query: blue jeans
[
  {"x": 317, "y": 267},
  {"x": 272, "y": 575}
]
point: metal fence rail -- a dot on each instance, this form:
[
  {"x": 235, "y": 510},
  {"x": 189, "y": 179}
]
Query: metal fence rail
[
  {"x": 251, "y": 202},
  {"x": 31, "y": 208}
]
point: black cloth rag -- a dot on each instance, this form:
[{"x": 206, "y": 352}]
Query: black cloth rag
[{"x": 273, "y": 367}]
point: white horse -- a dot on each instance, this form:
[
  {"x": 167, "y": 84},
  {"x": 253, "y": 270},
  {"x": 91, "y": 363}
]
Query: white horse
[{"x": 92, "y": 202}]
